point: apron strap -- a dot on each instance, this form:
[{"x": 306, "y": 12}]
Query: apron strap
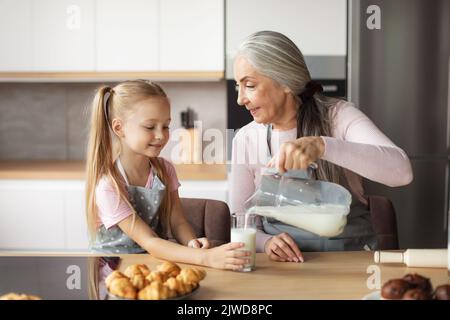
[
  {"x": 122, "y": 170},
  {"x": 124, "y": 175},
  {"x": 269, "y": 138}
]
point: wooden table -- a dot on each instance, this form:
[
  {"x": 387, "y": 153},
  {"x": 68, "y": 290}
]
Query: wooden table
[{"x": 324, "y": 275}]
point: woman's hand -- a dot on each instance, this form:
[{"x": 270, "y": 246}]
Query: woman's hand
[
  {"x": 199, "y": 243},
  {"x": 283, "y": 248},
  {"x": 298, "y": 154},
  {"x": 227, "y": 257}
]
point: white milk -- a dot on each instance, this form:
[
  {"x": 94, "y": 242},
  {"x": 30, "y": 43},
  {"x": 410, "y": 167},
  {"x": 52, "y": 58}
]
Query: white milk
[
  {"x": 247, "y": 236},
  {"x": 324, "y": 220}
]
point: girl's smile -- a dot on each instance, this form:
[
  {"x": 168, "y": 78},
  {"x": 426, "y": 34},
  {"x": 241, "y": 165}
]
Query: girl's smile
[{"x": 146, "y": 130}]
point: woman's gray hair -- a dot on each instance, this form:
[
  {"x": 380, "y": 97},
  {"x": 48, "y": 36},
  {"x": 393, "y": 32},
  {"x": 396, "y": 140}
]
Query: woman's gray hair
[{"x": 277, "y": 57}]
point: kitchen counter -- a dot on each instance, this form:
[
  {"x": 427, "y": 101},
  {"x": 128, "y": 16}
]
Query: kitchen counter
[
  {"x": 75, "y": 170},
  {"x": 324, "y": 275}
]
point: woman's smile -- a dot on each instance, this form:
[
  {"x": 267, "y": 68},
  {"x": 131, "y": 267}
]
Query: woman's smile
[{"x": 254, "y": 111}]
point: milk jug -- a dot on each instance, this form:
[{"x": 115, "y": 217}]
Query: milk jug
[{"x": 294, "y": 198}]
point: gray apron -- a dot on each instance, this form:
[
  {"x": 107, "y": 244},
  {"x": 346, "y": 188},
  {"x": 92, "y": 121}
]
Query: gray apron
[
  {"x": 146, "y": 203},
  {"x": 358, "y": 234}
]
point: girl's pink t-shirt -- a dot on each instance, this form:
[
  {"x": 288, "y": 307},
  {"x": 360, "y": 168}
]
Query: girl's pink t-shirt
[{"x": 112, "y": 209}]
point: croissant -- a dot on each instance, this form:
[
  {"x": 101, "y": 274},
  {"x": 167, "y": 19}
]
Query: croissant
[
  {"x": 158, "y": 276},
  {"x": 172, "y": 269},
  {"x": 156, "y": 291},
  {"x": 192, "y": 275},
  {"x": 179, "y": 286},
  {"x": 122, "y": 287},
  {"x": 137, "y": 269},
  {"x": 15, "y": 296},
  {"x": 139, "y": 281},
  {"x": 113, "y": 275}
]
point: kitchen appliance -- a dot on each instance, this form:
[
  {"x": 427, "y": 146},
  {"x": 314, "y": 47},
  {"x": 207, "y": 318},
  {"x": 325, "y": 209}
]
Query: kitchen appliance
[{"x": 398, "y": 72}]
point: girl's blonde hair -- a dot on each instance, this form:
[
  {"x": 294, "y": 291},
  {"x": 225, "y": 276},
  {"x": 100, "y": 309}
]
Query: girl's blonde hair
[
  {"x": 104, "y": 148},
  {"x": 276, "y": 56}
]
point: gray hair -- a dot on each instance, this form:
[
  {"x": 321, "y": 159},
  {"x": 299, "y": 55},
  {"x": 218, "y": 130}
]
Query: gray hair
[{"x": 277, "y": 57}]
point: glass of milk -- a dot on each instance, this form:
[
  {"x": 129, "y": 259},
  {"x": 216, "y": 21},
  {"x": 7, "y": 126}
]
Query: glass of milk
[{"x": 243, "y": 229}]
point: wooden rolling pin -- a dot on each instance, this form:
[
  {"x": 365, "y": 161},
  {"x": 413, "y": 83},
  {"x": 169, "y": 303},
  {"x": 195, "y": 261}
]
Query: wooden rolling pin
[{"x": 427, "y": 258}]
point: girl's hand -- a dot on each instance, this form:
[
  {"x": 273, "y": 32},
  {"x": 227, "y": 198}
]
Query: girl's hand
[
  {"x": 283, "y": 248},
  {"x": 298, "y": 154},
  {"x": 227, "y": 257},
  {"x": 199, "y": 243}
]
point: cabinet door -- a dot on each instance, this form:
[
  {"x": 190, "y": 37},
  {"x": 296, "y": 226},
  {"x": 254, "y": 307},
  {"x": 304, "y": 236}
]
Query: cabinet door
[
  {"x": 76, "y": 235},
  {"x": 318, "y": 28},
  {"x": 192, "y": 35},
  {"x": 127, "y": 35},
  {"x": 31, "y": 215},
  {"x": 63, "y": 35},
  {"x": 15, "y": 35}
]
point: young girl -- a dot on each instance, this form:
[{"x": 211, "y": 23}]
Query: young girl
[{"x": 132, "y": 194}]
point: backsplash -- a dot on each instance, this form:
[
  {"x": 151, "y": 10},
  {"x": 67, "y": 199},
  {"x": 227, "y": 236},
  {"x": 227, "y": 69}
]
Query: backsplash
[{"x": 49, "y": 121}]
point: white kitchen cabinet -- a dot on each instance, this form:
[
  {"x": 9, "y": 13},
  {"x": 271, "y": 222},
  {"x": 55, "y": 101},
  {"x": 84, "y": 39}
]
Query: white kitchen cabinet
[
  {"x": 63, "y": 35},
  {"x": 204, "y": 189},
  {"x": 75, "y": 225},
  {"x": 94, "y": 37},
  {"x": 31, "y": 215},
  {"x": 42, "y": 215},
  {"x": 127, "y": 36},
  {"x": 15, "y": 35},
  {"x": 318, "y": 28},
  {"x": 192, "y": 35}
]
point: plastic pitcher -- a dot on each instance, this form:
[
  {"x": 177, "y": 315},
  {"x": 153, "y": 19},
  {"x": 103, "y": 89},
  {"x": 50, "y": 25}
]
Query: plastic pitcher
[{"x": 294, "y": 198}]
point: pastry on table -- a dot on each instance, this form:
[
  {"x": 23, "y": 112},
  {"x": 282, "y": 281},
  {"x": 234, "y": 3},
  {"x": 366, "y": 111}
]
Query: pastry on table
[
  {"x": 137, "y": 269},
  {"x": 416, "y": 294},
  {"x": 156, "y": 291},
  {"x": 191, "y": 275},
  {"x": 168, "y": 281},
  {"x": 414, "y": 286},
  {"x": 394, "y": 289},
  {"x": 420, "y": 282},
  {"x": 122, "y": 287},
  {"x": 442, "y": 292},
  {"x": 180, "y": 287},
  {"x": 16, "y": 296},
  {"x": 158, "y": 276},
  {"x": 139, "y": 281},
  {"x": 172, "y": 269},
  {"x": 113, "y": 275}
]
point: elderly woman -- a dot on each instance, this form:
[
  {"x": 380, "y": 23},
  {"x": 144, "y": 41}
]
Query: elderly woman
[{"x": 294, "y": 126}]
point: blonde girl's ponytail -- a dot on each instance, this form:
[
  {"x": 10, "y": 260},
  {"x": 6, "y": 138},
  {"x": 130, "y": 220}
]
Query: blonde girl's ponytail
[{"x": 100, "y": 156}]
